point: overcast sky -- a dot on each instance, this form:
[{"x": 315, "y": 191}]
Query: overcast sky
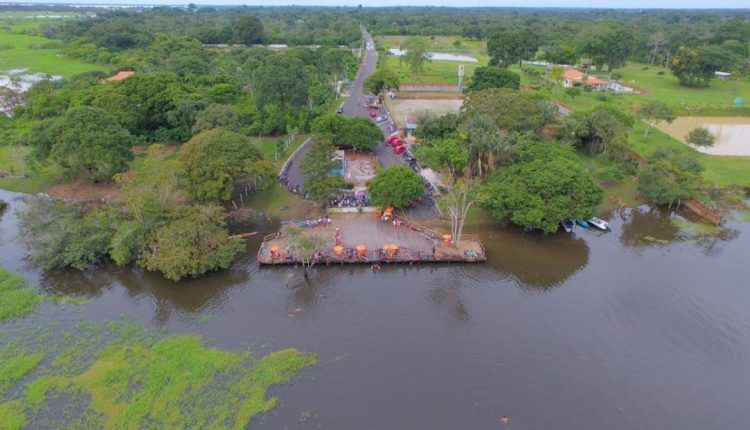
[{"x": 631, "y": 4}]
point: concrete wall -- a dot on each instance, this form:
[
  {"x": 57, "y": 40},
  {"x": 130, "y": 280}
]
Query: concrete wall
[{"x": 429, "y": 88}]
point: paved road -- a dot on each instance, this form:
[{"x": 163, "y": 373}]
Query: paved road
[
  {"x": 354, "y": 104},
  {"x": 354, "y": 107}
]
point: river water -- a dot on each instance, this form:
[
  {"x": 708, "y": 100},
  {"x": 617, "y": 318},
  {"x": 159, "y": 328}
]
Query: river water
[{"x": 642, "y": 327}]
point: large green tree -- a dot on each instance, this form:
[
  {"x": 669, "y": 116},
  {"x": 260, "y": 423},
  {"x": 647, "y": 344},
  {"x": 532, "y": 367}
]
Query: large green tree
[
  {"x": 396, "y": 186},
  {"x": 508, "y": 109},
  {"x": 609, "y": 44},
  {"x": 545, "y": 187},
  {"x": 380, "y": 79},
  {"x": 216, "y": 115},
  {"x": 321, "y": 182},
  {"x": 282, "y": 80},
  {"x": 248, "y": 30},
  {"x": 61, "y": 234},
  {"x": 416, "y": 54},
  {"x": 656, "y": 111},
  {"x": 507, "y": 47},
  {"x": 448, "y": 153},
  {"x": 212, "y": 161},
  {"x": 696, "y": 67},
  {"x": 358, "y": 133},
  {"x": 142, "y": 102},
  {"x": 669, "y": 177},
  {"x": 86, "y": 142},
  {"x": 194, "y": 241},
  {"x": 494, "y": 77}
]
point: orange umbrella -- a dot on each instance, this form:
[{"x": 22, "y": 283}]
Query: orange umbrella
[
  {"x": 338, "y": 249},
  {"x": 390, "y": 247},
  {"x": 361, "y": 248}
]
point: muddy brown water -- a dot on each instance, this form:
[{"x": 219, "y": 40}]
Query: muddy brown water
[
  {"x": 642, "y": 327},
  {"x": 731, "y": 134}
]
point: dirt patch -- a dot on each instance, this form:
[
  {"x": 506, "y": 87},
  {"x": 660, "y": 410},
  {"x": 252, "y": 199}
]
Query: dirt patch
[
  {"x": 414, "y": 107},
  {"x": 85, "y": 191},
  {"x": 143, "y": 149},
  {"x": 360, "y": 168}
]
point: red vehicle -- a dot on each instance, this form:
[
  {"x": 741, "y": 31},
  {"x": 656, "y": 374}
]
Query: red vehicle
[
  {"x": 392, "y": 139},
  {"x": 399, "y": 149},
  {"x": 373, "y": 113}
]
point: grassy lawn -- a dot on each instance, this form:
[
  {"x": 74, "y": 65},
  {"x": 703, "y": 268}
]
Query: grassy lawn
[
  {"x": 19, "y": 49},
  {"x": 437, "y": 71},
  {"x": 665, "y": 88},
  {"x": 268, "y": 147}
]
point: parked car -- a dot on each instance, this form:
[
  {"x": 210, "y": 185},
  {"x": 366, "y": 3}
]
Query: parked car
[
  {"x": 381, "y": 118},
  {"x": 399, "y": 149},
  {"x": 373, "y": 113},
  {"x": 340, "y": 110}
]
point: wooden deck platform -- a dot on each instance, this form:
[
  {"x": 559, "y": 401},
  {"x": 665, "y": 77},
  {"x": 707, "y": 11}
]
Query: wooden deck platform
[{"x": 416, "y": 244}]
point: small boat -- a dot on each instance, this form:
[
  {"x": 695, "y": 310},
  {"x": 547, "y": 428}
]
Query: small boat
[
  {"x": 568, "y": 225},
  {"x": 582, "y": 223},
  {"x": 599, "y": 223}
]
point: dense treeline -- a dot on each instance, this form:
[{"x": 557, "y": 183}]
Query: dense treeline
[{"x": 205, "y": 102}]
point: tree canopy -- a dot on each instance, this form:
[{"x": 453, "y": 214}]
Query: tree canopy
[
  {"x": 86, "y": 142},
  {"x": 281, "y": 80},
  {"x": 416, "y": 54},
  {"x": 213, "y": 160},
  {"x": 670, "y": 177},
  {"x": 396, "y": 186},
  {"x": 321, "y": 182},
  {"x": 494, "y": 77},
  {"x": 508, "y": 109},
  {"x": 542, "y": 189},
  {"x": 696, "y": 66},
  {"x": 358, "y": 133},
  {"x": 510, "y": 46},
  {"x": 656, "y": 111},
  {"x": 381, "y": 78},
  {"x": 193, "y": 242},
  {"x": 248, "y": 30},
  {"x": 700, "y": 136}
]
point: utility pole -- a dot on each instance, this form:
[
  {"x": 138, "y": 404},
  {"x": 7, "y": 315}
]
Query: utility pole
[{"x": 460, "y": 78}]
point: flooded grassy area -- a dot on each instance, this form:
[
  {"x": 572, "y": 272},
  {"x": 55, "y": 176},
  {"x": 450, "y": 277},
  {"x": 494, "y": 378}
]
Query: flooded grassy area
[
  {"x": 22, "y": 50},
  {"x": 73, "y": 373}
]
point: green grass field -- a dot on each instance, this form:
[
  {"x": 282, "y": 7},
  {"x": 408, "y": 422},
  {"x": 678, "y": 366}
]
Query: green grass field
[
  {"x": 437, "y": 71},
  {"x": 20, "y": 48}
]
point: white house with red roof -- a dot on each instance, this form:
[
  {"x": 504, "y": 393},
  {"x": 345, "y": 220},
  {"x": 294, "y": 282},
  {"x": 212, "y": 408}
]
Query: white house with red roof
[{"x": 576, "y": 78}]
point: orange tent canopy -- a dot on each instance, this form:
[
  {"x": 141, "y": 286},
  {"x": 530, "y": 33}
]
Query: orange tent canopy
[
  {"x": 338, "y": 248},
  {"x": 447, "y": 237},
  {"x": 274, "y": 248},
  {"x": 390, "y": 247},
  {"x": 361, "y": 248}
]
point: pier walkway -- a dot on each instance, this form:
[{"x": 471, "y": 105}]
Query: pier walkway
[{"x": 365, "y": 239}]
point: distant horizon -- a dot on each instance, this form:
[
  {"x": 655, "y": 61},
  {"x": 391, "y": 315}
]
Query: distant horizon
[{"x": 515, "y": 4}]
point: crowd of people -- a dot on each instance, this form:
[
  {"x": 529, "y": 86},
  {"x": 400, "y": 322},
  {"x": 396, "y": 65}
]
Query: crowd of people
[{"x": 350, "y": 200}]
